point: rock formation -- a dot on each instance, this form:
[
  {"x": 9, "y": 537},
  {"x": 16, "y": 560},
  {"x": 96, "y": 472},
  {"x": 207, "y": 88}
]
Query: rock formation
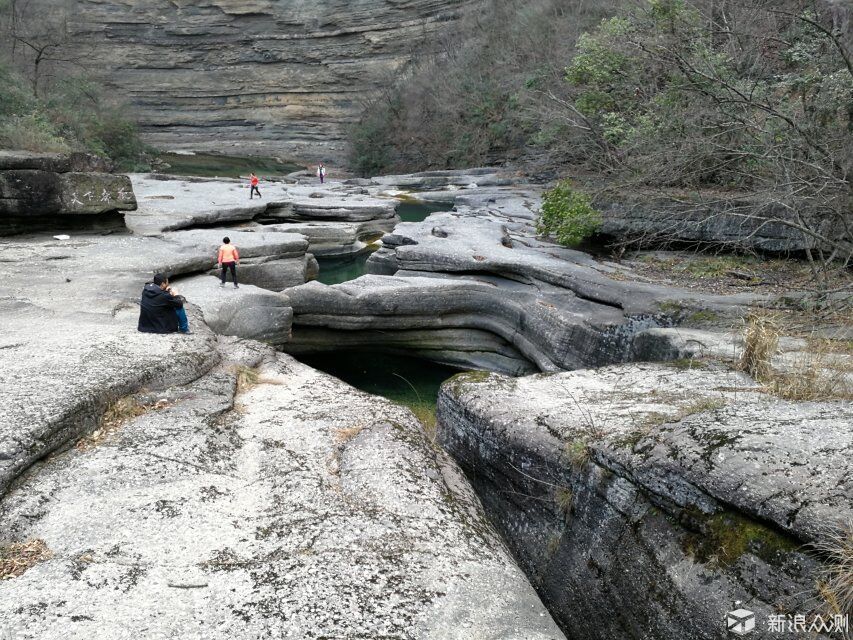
[
  {"x": 209, "y": 486},
  {"x": 294, "y": 507},
  {"x": 213, "y": 487},
  {"x": 50, "y": 191},
  {"x": 279, "y": 77},
  {"x": 643, "y": 500},
  {"x": 336, "y": 223},
  {"x": 477, "y": 288},
  {"x": 249, "y": 312},
  {"x": 745, "y": 224}
]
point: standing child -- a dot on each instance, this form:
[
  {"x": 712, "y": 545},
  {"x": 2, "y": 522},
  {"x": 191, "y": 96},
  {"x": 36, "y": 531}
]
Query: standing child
[
  {"x": 321, "y": 172},
  {"x": 228, "y": 258},
  {"x": 253, "y": 189}
]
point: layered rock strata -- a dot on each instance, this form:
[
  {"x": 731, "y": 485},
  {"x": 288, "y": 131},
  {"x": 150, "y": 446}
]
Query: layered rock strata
[
  {"x": 259, "y": 77},
  {"x": 337, "y": 221},
  {"x": 745, "y": 224},
  {"x": 643, "y": 500},
  {"x": 249, "y": 312}
]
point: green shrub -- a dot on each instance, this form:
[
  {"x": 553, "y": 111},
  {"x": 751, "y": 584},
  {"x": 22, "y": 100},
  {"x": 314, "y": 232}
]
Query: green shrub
[
  {"x": 30, "y": 132},
  {"x": 368, "y": 146},
  {"x": 568, "y": 215},
  {"x": 70, "y": 115}
]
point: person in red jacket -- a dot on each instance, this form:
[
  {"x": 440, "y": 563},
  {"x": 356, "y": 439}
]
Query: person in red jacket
[
  {"x": 228, "y": 258},
  {"x": 253, "y": 188}
]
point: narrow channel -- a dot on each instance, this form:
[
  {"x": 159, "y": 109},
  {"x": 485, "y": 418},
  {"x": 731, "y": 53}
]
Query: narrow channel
[
  {"x": 338, "y": 270},
  {"x": 411, "y": 382}
]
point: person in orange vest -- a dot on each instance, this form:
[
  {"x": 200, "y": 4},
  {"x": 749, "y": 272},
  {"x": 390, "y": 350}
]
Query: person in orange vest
[
  {"x": 253, "y": 188},
  {"x": 228, "y": 258}
]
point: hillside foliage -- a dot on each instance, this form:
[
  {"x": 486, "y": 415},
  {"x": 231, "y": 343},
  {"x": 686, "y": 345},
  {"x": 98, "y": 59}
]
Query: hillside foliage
[
  {"x": 715, "y": 95},
  {"x": 48, "y": 101}
]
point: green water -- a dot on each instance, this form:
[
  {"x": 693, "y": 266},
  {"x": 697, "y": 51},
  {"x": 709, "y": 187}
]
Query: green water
[
  {"x": 338, "y": 270},
  {"x": 411, "y": 382},
  {"x": 419, "y": 211},
  {"x": 211, "y": 166}
]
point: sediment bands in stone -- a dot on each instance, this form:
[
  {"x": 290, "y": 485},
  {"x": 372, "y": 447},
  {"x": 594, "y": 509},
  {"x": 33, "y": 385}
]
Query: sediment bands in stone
[{"x": 279, "y": 77}]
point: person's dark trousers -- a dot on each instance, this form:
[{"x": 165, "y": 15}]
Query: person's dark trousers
[
  {"x": 225, "y": 267},
  {"x": 183, "y": 323},
  {"x": 253, "y": 191}
]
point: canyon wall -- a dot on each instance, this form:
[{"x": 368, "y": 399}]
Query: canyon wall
[{"x": 264, "y": 77}]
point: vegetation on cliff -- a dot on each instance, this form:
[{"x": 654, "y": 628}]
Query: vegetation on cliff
[
  {"x": 707, "y": 95},
  {"x": 47, "y": 101}
]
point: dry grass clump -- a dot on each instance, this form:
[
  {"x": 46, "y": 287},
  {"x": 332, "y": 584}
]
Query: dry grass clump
[
  {"x": 247, "y": 377},
  {"x": 578, "y": 453},
  {"x": 812, "y": 385},
  {"x": 820, "y": 373},
  {"x": 344, "y": 435},
  {"x": 17, "y": 558},
  {"x": 564, "y": 497},
  {"x": 836, "y": 584},
  {"x": 655, "y": 419},
  {"x": 117, "y": 414},
  {"x": 760, "y": 344}
]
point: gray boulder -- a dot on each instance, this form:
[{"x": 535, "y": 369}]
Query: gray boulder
[
  {"x": 643, "y": 500},
  {"x": 36, "y": 198},
  {"x": 248, "y": 312}
]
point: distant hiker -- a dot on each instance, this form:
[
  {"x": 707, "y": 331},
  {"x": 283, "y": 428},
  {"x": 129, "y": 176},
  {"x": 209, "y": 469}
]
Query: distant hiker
[
  {"x": 321, "y": 172},
  {"x": 160, "y": 309},
  {"x": 253, "y": 187},
  {"x": 228, "y": 258}
]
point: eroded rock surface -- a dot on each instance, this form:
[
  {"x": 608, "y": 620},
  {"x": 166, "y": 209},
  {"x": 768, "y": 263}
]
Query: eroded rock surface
[
  {"x": 747, "y": 223},
  {"x": 299, "y": 508},
  {"x": 644, "y": 499},
  {"x": 70, "y": 310},
  {"x": 482, "y": 268},
  {"x": 337, "y": 220}
]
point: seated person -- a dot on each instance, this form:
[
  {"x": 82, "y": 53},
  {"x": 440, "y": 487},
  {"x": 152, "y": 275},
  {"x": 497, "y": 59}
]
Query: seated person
[{"x": 160, "y": 310}]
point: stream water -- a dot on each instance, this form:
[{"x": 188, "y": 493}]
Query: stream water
[
  {"x": 338, "y": 270},
  {"x": 411, "y": 382}
]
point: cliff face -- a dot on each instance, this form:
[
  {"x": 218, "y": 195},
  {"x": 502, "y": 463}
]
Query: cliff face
[{"x": 278, "y": 77}]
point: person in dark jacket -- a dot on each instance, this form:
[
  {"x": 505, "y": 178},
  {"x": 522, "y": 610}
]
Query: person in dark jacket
[{"x": 160, "y": 310}]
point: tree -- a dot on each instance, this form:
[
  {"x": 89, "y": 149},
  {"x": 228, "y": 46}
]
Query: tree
[{"x": 753, "y": 99}]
